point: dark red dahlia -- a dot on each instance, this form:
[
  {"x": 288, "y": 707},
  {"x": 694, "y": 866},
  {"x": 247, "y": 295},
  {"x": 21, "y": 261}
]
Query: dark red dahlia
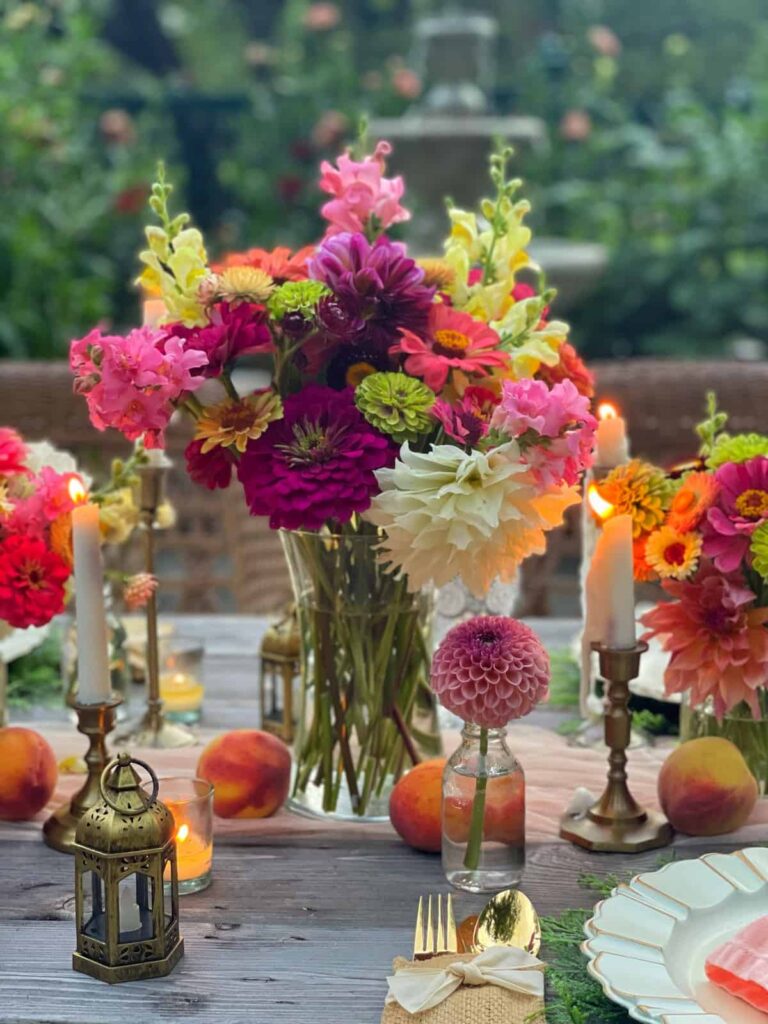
[
  {"x": 233, "y": 331},
  {"x": 378, "y": 282},
  {"x": 212, "y": 469},
  {"x": 32, "y": 579},
  {"x": 316, "y": 464}
]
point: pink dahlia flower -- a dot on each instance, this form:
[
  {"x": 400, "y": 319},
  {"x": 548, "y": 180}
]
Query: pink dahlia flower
[
  {"x": 740, "y": 507},
  {"x": 466, "y": 420},
  {"x": 716, "y": 638},
  {"x": 490, "y": 670},
  {"x": 454, "y": 344},
  {"x": 362, "y": 196},
  {"x": 316, "y": 464},
  {"x": 560, "y": 417},
  {"x": 12, "y": 453}
]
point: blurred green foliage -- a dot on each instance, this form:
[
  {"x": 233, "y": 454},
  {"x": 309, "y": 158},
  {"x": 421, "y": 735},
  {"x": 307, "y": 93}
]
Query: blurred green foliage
[{"x": 657, "y": 115}]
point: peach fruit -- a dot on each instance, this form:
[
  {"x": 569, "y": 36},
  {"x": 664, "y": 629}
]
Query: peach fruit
[
  {"x": 250, "y": 771},
  {"x": 414, "y": 806},
  {"x": 504, "y": 819},
  {"x": 28, "y": 773},
  {"x": 706, "y": 788}
]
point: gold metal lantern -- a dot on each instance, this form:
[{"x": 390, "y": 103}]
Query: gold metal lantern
[
  {"x": 127, "y": 924},
  {"x": 279, "y": 669}
]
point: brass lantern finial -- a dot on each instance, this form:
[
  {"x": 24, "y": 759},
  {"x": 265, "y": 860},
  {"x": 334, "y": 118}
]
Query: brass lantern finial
[
  {"x": 127, "y": 925},
  {"x": 280, "y": 667}
]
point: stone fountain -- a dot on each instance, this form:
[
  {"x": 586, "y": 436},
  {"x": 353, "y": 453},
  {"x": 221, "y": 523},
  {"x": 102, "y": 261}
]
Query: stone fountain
[{"x": 442, "y": 145}]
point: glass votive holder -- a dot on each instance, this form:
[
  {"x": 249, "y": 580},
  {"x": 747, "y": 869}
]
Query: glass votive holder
[
  {"x": 180, "y": 687},
  {"x": 190, "y": 801}
]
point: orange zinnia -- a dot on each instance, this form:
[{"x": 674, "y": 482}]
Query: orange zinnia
[{"x": 689, "y": 506}]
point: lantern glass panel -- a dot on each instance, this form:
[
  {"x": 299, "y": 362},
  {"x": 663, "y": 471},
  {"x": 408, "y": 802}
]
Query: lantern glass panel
[
  {"x": 167, "y": 898},
  {"x": 92, "y": 890},
  {"x": 135, "y": 899}
]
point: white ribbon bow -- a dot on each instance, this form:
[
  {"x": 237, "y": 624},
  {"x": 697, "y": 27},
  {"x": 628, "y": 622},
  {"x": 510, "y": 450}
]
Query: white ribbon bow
[{"x": 418, "y": 988}]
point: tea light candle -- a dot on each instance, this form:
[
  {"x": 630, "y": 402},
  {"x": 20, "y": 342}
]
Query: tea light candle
[
  {"x": 190, "y": 801},
  {"x": 611, "y": 446},
  {"x": 181, "y": 692},
  {"x": 193, "y": 854}
]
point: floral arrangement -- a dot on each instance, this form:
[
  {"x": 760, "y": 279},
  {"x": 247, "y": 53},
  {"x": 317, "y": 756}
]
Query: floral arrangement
[
  {"x": 432, "y": 407},
  {"x": 436, "y": 398},
  {"x": 702, "y": 530},
  {"x": 36, "y": 527}
]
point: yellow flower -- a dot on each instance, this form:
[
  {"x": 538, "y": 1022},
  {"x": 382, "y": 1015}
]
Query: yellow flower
[
  {"x": 6, "y": 506},
  {"x": 118, "y": 516},
  {"x": 673, "y": 555},
  {"x": 245, "y": 284},
  {"x": 174, "y": 269},
  {"x": 165, "y": 517},
  {"x": 640, "y": 490},
  {"x": 438, "y": 273},
  {"x": 238, "y": 421}
]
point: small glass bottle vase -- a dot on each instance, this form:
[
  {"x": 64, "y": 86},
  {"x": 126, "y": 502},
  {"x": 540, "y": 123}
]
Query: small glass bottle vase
[{"x": 483, "y": 813}]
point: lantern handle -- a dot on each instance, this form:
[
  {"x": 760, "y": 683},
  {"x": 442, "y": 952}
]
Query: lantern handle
[{"x": 131, "y": 760}]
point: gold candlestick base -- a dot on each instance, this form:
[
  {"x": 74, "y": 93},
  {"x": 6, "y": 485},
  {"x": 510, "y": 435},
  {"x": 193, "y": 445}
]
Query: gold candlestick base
[
  {"x": 616, "y": 823},
  {"x": 153, "y": 731},
  {"x": 95, "y": 721}
]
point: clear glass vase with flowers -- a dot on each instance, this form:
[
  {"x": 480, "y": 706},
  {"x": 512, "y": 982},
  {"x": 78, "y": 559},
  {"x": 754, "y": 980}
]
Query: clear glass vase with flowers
[{"x": 425, "y": 419}]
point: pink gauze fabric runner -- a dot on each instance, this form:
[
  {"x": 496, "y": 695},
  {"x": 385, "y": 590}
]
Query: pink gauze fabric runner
[{"x": 552, "y": 768}]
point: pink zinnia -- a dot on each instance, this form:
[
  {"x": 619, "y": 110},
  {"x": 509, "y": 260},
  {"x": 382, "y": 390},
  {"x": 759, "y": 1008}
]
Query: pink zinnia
[
  {"x": 716, "y": 637},
  {"x": 490, "y": 670},
  {"x": 455, "y": 344},
  {"x": 12, "y": 453},
  {"x": 555, "y": 428},
  {"x": 740, "y": 507},
  {"x": 363, "y": 197}
]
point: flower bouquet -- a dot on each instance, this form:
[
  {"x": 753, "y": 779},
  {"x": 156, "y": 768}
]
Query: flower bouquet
[
  {"x": 425, "y": 419},
  {"x": 702, "y": 530}
]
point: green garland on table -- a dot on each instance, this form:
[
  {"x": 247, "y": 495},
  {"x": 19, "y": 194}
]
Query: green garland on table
[
  {"x": 573, "y": 996},
  {"x": 35, "y": 678}
]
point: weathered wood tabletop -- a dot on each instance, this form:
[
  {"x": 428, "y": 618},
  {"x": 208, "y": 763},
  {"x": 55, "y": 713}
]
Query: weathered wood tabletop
[{"x": 293, "y": 929}]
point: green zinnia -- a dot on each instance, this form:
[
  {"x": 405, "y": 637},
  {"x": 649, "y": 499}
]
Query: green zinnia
[
  {"x": 758, "y": 546},
  {"x": 737, "y": 449},
  {"x": 296, "y": 297},
  {"x": 396, "y": 404}
]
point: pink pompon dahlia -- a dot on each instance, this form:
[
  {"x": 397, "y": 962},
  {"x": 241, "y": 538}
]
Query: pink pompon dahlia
[
  {"x": 12, "y": 453},
  {"x": 740, "y": 507},
  {"x": 716, "y": 637},
  {"x": 316, "y": 464},
  {"x": 454, "y": 345},
  {"x": 491, "y": 670},
  {"x": 362, "y": 196}
]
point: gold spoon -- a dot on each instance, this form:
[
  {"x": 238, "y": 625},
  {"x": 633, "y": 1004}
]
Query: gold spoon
[{"x": 508, "y": 919}]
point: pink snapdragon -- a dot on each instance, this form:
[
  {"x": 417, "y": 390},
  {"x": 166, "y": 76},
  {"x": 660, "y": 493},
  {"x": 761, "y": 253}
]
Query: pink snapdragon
[
  {"x": 554, "y": 426},
  {"x": 361, "y": 193},
  {"x": 130, "y": 383}
]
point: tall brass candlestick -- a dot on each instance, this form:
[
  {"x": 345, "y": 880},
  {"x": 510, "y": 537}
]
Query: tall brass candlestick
[
  {"x": 617, "y": 823},
  {"x": 95, "y": 721},
  {"x": 153, "y": 730}
]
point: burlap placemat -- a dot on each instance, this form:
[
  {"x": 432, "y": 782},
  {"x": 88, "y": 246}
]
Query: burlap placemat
[{"x": 470, "y": 1004}]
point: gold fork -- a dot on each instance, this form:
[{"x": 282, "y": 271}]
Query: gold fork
[{"x": 440, "y": 934}]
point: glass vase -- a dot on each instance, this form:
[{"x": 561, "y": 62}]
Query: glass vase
[
  {"x": 748, "y": 733},
  {"x": 366, "y": 711},
  {"x": 483, "y": 813}
]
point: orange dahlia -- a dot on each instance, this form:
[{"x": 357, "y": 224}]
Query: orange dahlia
[
  {"x": 281, "y": 264},
  {"x": 696, "y": 495}
]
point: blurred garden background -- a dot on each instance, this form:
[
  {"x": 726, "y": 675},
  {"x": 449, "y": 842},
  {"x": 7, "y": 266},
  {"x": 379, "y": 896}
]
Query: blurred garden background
[{"x": 655, "y": 120}]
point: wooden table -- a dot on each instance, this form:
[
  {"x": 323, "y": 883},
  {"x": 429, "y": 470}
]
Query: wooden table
[{"x": 293, "y": 929}]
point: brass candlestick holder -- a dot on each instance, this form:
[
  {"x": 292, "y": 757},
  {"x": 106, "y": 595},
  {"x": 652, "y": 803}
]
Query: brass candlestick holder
[
  {"x": 617, "y": 823},
  {"x": 152, "y": 730},
  {"x": 95, "y": 721}
]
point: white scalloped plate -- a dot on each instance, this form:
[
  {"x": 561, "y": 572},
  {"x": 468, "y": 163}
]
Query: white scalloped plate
[{"x": 647, "y": 942}]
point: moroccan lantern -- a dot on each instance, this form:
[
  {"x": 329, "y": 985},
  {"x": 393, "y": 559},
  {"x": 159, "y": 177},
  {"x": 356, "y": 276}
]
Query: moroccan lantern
[
  {"x": 279, "y": 671},
  {"x": 127, "y": 922}
]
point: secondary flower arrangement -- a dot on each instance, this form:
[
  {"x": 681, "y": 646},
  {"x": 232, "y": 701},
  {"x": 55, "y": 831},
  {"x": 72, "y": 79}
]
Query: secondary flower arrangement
[
  {"x": 702, "y": 530},
  {"x": 431, "y": 407}
]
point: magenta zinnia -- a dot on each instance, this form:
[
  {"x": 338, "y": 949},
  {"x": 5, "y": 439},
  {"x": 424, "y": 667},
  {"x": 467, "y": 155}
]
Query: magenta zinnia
[
  {"x": 740, "y": 507},
  {"x": 316, "y": 464},
  {"x": 716, "y": 638},
  {"x": 490, "y": 670}
]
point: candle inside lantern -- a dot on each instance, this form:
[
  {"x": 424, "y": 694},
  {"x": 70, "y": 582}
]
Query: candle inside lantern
[
  {"x": 611, "y": 447},
  {"x": 93, "y": 678},
  {"x": 610, "y": 617},
  {"x": 190, "y": 801}
]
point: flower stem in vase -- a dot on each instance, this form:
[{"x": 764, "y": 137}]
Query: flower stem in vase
[{"x": 475, "y": 842}]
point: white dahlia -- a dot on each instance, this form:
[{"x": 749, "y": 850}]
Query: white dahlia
[{"x": 450, "y": 513}]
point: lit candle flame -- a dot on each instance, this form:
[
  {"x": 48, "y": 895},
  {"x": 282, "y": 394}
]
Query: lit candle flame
[
  {"x": 607, "y": 411},
  {"x": 77, "y": 490},
  {"x": 603, "y": 509},
  {"x": 182, "y": 833}
]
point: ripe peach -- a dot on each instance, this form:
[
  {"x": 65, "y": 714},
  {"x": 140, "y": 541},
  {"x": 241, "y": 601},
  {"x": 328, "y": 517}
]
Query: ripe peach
[
  {"x": 414, "y": 806},
  {"x": 250, "y": 771},
  {"x": 706, "y": 788},
  {"x": 28, "y": 773},
  {"x": 504, "y": 818}
]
